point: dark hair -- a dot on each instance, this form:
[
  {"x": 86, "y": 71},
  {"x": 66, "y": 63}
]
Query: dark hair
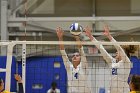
[
  {"x": 127, "y": 53},
  {"x": 54, "y": 85},
  {"x": 135, "y": 80},
  {"x": 130, "y": 49},
  {"x": 76, "y": 52},
  {"x": 1, "y": 80}
]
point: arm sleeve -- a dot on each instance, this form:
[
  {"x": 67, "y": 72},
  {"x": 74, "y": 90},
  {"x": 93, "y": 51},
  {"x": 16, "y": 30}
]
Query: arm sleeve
[
  {"x": 83, "y": 57},
  {"x": 122, "y": 53},
  {"x": 20, "y": 85},
  {"x": 65, "y": 58},
  {"x": 108, "y": 58}
]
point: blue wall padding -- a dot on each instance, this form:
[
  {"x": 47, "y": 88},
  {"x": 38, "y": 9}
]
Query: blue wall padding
[
  {"x": 13, "y": 71},
  {"x": 135, "y": 70},
  {"x": 136, "y": 65},
  {"x": 40, "y": 70}
]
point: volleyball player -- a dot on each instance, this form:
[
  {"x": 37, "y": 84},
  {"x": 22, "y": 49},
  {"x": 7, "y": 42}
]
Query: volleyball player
[
  {"x": 120, "y": 65},
  {"x": 53, "y": 88},
  {"x": 77, "y": 69},
  {"x": 20, "y": 85},
  {"x": 134, "y": 84}
]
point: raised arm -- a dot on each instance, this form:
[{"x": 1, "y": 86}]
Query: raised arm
[
  {"x": 20, "y": 84},
  {"x": 81, "y": 51},
  {"x": 60, "y": 32},
  {"x": 118, "y": 47},
  {"x": 104, "y": 53}
]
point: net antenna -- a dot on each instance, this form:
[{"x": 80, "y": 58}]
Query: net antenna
[
  {"x": 24, "y": 47},
  {"x": 25, "y": 22}
]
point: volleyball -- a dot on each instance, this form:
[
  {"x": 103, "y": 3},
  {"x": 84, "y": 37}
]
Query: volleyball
[{"x": 76, "y": 29}]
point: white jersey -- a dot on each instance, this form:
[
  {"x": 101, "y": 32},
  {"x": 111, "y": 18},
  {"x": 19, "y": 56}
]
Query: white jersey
[
  {"x": 77, "y": 78},
  {"x": 55, "y": 91},
  {"x": 119, "y": 70},
  {"x": 119, "y": 76}
]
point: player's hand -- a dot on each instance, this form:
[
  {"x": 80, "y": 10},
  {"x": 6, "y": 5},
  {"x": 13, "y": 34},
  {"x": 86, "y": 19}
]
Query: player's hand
[
  {"x": 18, "y": 78},
  {"x": 88, "y": 32},
  {"x": 78, "y": 41},
  {"x": 106, "y": 30},
  {"x": 59, "y": 32},
  {"x": 77, "y": 38}
]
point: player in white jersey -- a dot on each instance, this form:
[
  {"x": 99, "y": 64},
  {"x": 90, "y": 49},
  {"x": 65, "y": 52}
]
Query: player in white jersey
[
  {"x": 53, "y": 88},
  {"x": 77, "y": 69},
  {"x": 120, "y": 65}
]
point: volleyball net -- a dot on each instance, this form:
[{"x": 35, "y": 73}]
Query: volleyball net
[{"x": 40, "y": 63}]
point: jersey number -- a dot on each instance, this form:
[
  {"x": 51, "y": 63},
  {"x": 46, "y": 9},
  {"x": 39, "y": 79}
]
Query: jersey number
[
  {"x": 76, "y": 75},
  {"x": 114, "y": 71}
]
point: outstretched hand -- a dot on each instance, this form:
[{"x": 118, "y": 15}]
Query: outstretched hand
[
  {"x": 88, "y": 32},
  {"x": 106, "y": 30},
  {"x": 59, "y": 32},
  {"x": 18, "y": 78},
  {"x": 78, "y": 41}
]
